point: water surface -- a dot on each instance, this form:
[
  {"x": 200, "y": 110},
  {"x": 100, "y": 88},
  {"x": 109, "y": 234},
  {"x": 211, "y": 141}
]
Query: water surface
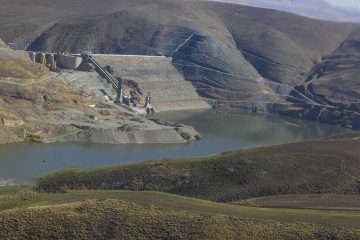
[{"x": 220, "y": 131}]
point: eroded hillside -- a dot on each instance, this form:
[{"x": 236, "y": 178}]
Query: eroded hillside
[{"x": 238, "y": 57}]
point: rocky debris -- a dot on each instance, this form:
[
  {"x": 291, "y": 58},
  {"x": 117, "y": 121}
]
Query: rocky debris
[
  {"x": 132, "y": 84},
  {"x": 54, "y": 111},
  {"x": 188, "y": 133},
  {"x": 87, "y": 67}
]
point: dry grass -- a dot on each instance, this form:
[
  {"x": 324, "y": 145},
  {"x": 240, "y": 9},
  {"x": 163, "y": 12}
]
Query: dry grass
[
  {"x": 24, "y": 198},
  {"x": 20, "y": 69},
  {"x": 307, "y": 201},
  {"x": 115, "y": 219},
  {"x": 313, "y": 167},
  {"x": 8, "y": 115}
]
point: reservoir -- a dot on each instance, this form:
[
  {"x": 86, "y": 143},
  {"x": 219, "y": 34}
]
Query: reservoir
[{"x": 20, "y": 162}]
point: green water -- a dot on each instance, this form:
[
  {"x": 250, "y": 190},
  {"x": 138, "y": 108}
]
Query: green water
[{"x": 220, "y": 132}]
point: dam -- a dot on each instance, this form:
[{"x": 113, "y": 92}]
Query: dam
[
  {"x": 156, "y": 77},
  {"x": 156, "y": 74},
  {"x": 21, "y": 162}
]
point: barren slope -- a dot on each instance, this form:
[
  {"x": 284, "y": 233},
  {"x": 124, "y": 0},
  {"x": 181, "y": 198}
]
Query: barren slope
[
  {"x": 336, "y": 79},
  {"x": 43, "y": 106},
  {"x": 239, "y": 56}
]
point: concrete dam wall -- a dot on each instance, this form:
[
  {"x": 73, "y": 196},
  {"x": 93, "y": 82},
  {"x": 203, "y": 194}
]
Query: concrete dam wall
[
  {"x": 68, "y": 61},
  {"x": 64, "y": 61},
  {"x": 156, "y": 74}
]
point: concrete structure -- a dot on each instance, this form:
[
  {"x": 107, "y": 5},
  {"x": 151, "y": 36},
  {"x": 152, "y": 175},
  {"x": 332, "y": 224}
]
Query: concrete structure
[
  {"x": 100, "y": 70},
  {"x": 149, "y": 108},
  {"x": 119, "y": 97},
  {"x": 155, "y": 74},
  {"x": 50, "y": 60},
  {"x": 32, "y": 56},
  {"x": 42, "y": 58},
  {"x": 90, "y": 82},
  {"x": 66, "y": 61}
]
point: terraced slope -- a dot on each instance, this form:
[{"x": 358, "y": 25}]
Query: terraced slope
[
  {"x": 169, "y": 89},
  {"x": 90, "y": 82}
]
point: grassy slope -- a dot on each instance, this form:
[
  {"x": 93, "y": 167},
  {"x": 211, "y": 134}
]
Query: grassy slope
[
  {"x": 138, "y": 214},
  {"x": 306, "y": 201},
  {"x": 17, "y": 65},
  {"x": 328, "y": 166},
  {"x": 28, "y": 198}
]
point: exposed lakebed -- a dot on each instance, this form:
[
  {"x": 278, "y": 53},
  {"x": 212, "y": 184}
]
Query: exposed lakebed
[{"x": 220, "y": 131}]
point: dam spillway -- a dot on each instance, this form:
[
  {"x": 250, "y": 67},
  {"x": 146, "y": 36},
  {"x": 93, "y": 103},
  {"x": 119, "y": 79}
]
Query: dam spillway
[{"x": 155, "y": 74}]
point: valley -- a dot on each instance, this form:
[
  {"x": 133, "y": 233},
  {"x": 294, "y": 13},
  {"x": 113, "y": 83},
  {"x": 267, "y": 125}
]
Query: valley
[
  {"x": 180, "y": 119},
  {"x": 237, "y": 57},
  {"x": 216, "y": 196}
]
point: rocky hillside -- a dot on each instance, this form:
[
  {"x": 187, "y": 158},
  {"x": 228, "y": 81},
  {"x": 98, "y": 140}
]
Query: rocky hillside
[
  {"x": 43, "y": 106},
  {"x": 238, "y": 56}
]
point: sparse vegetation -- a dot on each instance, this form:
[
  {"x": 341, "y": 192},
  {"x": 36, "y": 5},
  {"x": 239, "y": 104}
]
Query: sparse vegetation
[
  {"x": 314, "y": 167},
  {"x": 307, "y": 201},
  {"x": 227, "y": 60},
  {"x": 148, "y": 215},
  {"x": 241, "y": 57},
  {"x": 225, "y": 177},
  {"x": 19, "y": 69}
]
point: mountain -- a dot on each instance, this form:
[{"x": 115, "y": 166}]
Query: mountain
[
  {"x": 238, "y": 57},
  {"x": 313, "y": 9}
]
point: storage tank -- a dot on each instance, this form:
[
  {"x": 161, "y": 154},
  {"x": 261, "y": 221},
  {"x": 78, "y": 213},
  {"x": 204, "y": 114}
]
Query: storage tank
[
  {"x": 50, "y": 59},
  {"x": 38, "y": 57},
  {"x": 42, "y": 58},
  {"x": 68, "y": 61},
  {"x": 32, "y": 56}
]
